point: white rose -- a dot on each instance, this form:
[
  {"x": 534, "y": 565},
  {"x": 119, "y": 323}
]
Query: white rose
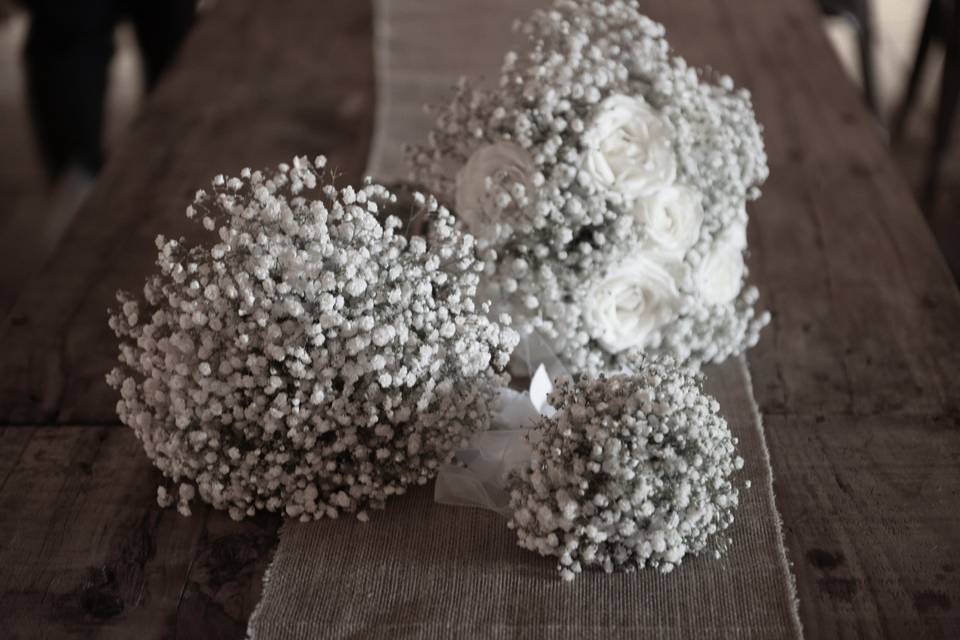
[
  {"x": 672, "y": 218},
  {"x": 720, "y": 275},
  {"x": 630, "y": 302},
  {"x": 628, "y": 148},
  {"x": 487, "y": 185}
]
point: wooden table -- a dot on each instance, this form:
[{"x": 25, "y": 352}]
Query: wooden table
[{"x": 856, "y": 378}]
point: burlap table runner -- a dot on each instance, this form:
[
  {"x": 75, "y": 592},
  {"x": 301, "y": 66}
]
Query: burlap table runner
[{"x": 424, "y": 570}]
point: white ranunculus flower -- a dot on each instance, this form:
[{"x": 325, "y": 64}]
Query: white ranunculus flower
[
  {"x": 628, "y": 148},
  {"x": 487, "y": 185},
  {"x": 672, "y": 218},
  {"x": 632, "y": 300},
  {"x": 720, "y": 275}
]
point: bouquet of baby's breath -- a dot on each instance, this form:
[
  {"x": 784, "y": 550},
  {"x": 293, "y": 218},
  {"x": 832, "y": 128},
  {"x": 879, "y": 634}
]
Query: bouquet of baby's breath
[
  {"x": 607, "y": 184},
  {"x": 629, "y": 471},
  {"x": 312, "y": 359}
]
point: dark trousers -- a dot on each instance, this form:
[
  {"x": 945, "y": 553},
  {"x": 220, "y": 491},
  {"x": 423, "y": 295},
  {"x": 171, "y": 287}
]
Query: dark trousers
[{"x": 67, "y": 56}]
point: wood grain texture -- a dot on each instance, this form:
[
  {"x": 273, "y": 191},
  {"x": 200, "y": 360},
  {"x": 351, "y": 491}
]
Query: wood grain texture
[
  {"x": 253, "y": 87},
  {"x": 86, "y": 552},
  {"x": 857, "y": 376},
  {"x": 84, "y": 549},
  {"x": 870, "y": 511}
]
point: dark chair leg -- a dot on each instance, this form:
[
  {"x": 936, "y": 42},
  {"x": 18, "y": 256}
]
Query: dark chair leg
[
  {"x": 930, "y": 28},
  {"x": 864, "y": 21},
  {"x": 946, "y": 110}
]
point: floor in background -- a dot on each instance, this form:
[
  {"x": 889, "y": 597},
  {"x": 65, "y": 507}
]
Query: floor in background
[{"x": 33, "y": 218}]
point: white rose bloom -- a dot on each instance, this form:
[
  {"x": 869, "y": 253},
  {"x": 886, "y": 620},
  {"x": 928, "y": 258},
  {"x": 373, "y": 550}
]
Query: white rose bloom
[
  {"x": 672, "y": 218},
  {"x": 487, "y": 184},
  {"x": 720, "y": 275},
  {"x": 632, "y": 300},
  {"x": 628, "y": 148}
]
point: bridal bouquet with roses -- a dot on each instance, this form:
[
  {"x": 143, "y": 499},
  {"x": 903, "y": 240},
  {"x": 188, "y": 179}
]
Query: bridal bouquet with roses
[{"x": 606, "y": 182}]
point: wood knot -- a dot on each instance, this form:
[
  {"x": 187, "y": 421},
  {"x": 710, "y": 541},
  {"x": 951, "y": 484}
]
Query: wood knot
[
  {"x": 229, "y": 558},
  {"x": 824, "y": 560},
  {"x": 842, "y": 589},
  {"x": 100, "y": 593},
  {"x": 924, "y": 601}
]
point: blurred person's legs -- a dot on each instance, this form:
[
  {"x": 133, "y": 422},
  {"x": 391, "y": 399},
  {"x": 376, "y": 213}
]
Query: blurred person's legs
[
  {"x": 67, "y": 56},
  {"x": 161, "y": 27}
]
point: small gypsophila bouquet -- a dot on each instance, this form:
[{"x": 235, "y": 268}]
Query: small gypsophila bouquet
[
  {"x": 607, "y": 182},
  {"x": 630, "y": 471},
  {"x": 312, "y": 360}
]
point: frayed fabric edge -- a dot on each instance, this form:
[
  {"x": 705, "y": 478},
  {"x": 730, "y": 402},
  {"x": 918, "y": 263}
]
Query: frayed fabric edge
[
  {"x": 791, "y": 583},
  {"x": 264, "y": 585}
]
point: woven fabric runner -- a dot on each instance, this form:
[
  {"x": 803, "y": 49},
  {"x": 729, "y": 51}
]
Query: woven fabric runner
[{"x": 419, "y": 569}]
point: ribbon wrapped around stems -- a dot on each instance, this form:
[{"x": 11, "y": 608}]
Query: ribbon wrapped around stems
[{"x": 478, "y": 478}]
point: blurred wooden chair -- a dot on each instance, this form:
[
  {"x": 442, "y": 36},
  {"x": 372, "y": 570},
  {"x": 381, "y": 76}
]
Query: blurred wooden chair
[
  {"x": 942, "y": 24},
  {"x": 859, "y": 14}
]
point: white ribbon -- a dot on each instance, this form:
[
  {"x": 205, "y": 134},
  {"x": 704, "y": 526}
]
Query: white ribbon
[
  {"x": 479, "y": 480},
  {"x": 534, "y": 352}
]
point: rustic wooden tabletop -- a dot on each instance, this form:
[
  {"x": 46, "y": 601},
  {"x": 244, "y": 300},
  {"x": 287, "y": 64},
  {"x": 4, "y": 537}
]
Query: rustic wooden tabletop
[{"x": 856, "y": 378}]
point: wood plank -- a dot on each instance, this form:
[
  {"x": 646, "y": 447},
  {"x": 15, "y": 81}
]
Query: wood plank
[
  {"x": 13, "y": 444},
  {"x": 867, "y": 325},
  {"x": 253, "y": 87},
  {"x": 857, "y": 376},
  {"x": 867, "y": 310},
  {"x": 870, "y": 511},
  {"x": 85, "y": 551}
]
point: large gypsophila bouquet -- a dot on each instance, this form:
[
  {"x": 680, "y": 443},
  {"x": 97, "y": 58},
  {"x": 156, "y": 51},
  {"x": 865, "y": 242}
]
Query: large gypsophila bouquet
[
  {"x": 607, "y": 182},
  {"x": 312, "y": 360}
]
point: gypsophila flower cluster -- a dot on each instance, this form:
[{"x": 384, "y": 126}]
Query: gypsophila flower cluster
[
  {"x": 607, "y": 183},
  {"x": 311, "y": 360},
  {"x": 632, "y": 471}
]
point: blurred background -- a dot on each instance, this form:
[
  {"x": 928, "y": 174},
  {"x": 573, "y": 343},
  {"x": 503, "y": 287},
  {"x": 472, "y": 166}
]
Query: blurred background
[{"x": 877, "y": 42}]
